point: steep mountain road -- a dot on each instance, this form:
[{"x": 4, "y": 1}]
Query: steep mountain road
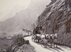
[{"x": 39, "y": 48}]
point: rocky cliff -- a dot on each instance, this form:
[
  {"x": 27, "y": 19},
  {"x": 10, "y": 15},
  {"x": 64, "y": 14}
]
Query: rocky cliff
[{"x": 56, "y": 18}]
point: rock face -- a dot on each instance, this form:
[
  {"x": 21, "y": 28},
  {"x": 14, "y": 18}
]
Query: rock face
[{"x": 56, "y": 18}]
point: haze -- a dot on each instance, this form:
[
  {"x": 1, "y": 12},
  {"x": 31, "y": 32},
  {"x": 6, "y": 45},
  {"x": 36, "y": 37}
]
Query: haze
[{"x": 9, "y": 8}]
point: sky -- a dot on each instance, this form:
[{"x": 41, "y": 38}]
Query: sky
[
  {"x": 12, "y": 6},
  {"x": 9, "y": 8}
]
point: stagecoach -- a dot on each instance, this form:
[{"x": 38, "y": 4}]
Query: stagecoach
[
  {"x": 36, "y": 38},
  {"x": 45, "y": 40}
]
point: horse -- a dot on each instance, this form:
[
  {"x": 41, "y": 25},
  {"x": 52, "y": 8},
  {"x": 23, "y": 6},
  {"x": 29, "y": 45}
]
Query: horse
[{"x": 51, "y": 39}]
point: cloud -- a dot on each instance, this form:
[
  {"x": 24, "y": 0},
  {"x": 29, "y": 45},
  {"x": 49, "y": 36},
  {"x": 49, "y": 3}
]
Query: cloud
[{"x": 11, "y": 7}]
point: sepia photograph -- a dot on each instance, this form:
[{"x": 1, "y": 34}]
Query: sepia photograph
[{"x": 35, "y": 25}]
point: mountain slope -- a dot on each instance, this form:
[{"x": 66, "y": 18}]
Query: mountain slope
[{"x": 56, "y": 18}]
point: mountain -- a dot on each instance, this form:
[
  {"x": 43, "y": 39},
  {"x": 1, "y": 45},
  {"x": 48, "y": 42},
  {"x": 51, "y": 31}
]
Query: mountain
[
  {"x": 56, "y": 18},
  {"x": 24, "y": 18},
  {"x": 15, "y": 24}
]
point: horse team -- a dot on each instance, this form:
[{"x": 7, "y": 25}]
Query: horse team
[{"x": 46, "y": 39}]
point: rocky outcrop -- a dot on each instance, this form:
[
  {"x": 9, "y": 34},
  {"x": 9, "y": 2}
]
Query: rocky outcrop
[{"x": 56, "y": 18}]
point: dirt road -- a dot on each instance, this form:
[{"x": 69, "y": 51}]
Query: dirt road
[{"x": 39, "y": 48}]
